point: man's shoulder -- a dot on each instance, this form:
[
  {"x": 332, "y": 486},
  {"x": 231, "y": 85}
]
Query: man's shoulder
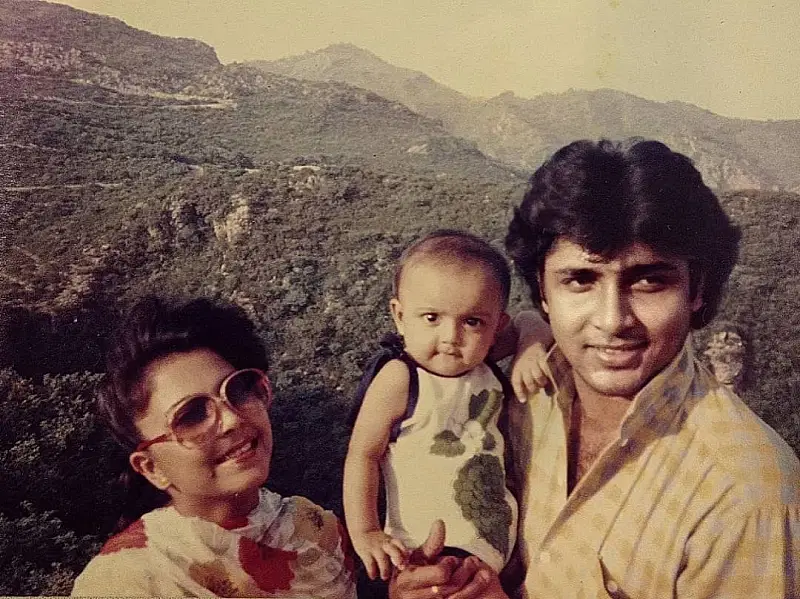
[{"x": 739, "y": 441}]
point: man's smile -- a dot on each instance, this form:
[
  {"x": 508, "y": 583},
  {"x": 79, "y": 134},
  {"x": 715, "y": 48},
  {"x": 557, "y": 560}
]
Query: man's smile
[{"x": 621, "y": 355}]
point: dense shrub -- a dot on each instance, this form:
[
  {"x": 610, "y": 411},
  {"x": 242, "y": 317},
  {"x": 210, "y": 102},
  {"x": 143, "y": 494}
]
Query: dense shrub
[{"x": 57, "y": 472}]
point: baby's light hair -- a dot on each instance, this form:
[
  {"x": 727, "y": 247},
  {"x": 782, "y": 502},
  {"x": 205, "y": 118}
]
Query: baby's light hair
[{"x": 452, "y": 245}]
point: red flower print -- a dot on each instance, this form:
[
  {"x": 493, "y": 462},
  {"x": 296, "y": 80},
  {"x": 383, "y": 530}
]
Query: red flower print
[
  {"x": 269, "y": 567},
  {"x": 234, "y": 522},
  {"x": 214, "y": 577},
  {"x": 133, "y": 537}
]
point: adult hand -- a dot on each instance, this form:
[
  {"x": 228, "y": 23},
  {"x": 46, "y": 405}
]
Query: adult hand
[{"x": 429, "y": 575}]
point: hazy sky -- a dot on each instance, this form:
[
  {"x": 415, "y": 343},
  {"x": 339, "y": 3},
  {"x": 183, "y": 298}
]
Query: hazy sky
[{"x": 735, "y": 57}]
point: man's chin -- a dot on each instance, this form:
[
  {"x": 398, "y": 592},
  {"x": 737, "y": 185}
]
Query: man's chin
[{"x": 616, "y": 383}]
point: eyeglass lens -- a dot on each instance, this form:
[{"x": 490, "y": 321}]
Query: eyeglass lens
[{"x": 199, "y": 414}]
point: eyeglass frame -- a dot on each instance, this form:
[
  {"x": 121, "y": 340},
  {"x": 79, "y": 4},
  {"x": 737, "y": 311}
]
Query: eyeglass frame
[{"x": 218, "y": 398}]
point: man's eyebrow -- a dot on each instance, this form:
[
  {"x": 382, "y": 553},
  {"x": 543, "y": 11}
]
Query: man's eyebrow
[
  {"x": 635, "y": 270},
  {"x": 651, "y": 267},
  {"x": 572, "y": 270}
]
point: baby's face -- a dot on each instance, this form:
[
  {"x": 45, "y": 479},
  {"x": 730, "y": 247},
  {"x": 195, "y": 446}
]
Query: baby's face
[{"x": 448, "y": 314}]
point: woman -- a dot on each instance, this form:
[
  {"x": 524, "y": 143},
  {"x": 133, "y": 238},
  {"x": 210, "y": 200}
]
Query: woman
[{"x": 187, "y": 396}]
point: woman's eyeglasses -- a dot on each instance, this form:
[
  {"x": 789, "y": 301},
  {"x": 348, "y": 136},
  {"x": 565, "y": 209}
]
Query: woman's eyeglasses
[{"x": 195, "y": 419}]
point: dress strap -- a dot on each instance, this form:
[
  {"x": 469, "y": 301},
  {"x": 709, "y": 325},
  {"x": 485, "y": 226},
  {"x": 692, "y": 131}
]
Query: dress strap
[{"x": 391, "y": 348}]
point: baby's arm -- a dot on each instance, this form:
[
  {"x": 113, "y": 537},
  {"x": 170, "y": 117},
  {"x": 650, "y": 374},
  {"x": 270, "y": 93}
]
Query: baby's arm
[
  {"x": 384, "y": 403},
  {"x": 527, "y": 336}
]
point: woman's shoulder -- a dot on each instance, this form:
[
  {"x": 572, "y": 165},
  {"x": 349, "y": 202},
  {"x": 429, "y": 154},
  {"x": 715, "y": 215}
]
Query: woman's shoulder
[
  {"x": 304, "y": 522},
  {"x": 121, "y": 567},
  {"x": 133, "y": 537}
]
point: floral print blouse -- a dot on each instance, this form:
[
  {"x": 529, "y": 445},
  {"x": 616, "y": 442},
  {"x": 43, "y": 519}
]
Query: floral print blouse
[{"x": 286, "y": 547}]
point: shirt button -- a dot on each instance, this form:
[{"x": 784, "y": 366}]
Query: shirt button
[
  {"x": 544, "y": 557},
  {"x": 612, "y": 587}
]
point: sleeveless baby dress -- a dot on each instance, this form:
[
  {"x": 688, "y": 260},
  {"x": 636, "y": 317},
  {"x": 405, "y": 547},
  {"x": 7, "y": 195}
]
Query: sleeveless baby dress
[{"x": 445, "y": 460}]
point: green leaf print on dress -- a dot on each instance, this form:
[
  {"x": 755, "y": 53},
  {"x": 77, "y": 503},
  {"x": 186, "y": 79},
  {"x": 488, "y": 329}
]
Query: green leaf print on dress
[
  {"x": 484, "y": 405},
  {"x": 482, "y": 408},
  {"x": 480, "y": 492},
  {"x": 447, "y": 444},
  {"x": 480, "y": 486}
]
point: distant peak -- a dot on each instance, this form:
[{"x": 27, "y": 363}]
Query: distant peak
[
  {"x": 348, "y": 49},
  {"x": 345, "y": 46}
]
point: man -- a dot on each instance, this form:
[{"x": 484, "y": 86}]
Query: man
[{"x": 641, "y": 475}]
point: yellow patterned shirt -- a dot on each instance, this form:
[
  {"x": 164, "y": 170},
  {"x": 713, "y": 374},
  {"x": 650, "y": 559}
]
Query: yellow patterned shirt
[{"x": 697, "y": 497}]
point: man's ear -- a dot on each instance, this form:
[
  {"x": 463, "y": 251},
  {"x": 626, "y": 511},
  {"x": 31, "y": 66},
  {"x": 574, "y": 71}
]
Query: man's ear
[
  {"x": 540, "y": 281},
  {"x": 143, "y": 463},
  {"x": 698, "y": 300},
  {"x": 397, "y": 314}
]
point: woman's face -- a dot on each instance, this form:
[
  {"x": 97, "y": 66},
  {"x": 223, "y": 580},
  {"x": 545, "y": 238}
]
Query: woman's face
[{"x": 220, "y": 477}]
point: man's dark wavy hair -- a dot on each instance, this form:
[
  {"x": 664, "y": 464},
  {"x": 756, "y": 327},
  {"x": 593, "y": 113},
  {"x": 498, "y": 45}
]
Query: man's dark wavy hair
[
  {"x": 153, "y": 329},
  {"x": 608, "y": 195}
]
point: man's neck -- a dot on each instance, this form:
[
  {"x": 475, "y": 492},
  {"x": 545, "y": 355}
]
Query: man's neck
[
  {"x": 594, "y": 424},
  {"x": 600, "y": 412}
]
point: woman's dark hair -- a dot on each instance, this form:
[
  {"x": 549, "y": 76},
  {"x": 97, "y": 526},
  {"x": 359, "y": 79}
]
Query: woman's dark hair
[
  {"x": 455, "y": 246},
  {"x": 606, "y": 196},
  {"x": 153, "y": 329}
]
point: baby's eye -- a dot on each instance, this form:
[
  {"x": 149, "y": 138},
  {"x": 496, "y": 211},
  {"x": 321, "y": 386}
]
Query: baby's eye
[
  {"x": 430, "y": 317},
  {"x": 473, "y": 321}
]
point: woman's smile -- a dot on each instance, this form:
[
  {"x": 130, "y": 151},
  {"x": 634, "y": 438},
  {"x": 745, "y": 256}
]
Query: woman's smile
[{"x": 241, "y": 452}]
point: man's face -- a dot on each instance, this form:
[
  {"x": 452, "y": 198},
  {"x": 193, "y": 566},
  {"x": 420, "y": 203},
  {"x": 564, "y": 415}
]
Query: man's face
[{"x": 618, "y": 321}]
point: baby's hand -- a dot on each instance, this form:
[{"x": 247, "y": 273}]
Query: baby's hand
[
  {"x": 379, "y": 552},
  {"x": 528, "y": 372}
]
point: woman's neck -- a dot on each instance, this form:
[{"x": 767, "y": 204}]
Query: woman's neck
[{"x": 221, "y": 510}]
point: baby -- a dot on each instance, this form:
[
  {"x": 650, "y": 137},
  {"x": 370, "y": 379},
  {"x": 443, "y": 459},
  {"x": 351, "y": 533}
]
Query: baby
[{"x": 431, "y": 418}]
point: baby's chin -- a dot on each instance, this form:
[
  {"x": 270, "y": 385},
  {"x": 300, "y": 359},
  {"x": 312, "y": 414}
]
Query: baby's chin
[{"x": 446, "y": 365}]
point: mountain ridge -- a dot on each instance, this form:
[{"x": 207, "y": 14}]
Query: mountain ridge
[
  {"x": 29, "y": 22},
  {"x": 45, "y": 55},
  {"x": 731, "y": 153}
]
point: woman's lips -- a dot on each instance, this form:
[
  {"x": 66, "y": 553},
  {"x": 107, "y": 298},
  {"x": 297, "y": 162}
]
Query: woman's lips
[{"x": 240, "y": 452}]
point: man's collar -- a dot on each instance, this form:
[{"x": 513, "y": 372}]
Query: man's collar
[{"x": 661, "y": 397}]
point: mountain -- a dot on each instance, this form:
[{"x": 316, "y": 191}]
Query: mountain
[
  {"x": 351, "y": 64},
  {"x": 57, "y": 39},
  {"x": 731, "y": 153},
  {"x": 52, "y": 55}
]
